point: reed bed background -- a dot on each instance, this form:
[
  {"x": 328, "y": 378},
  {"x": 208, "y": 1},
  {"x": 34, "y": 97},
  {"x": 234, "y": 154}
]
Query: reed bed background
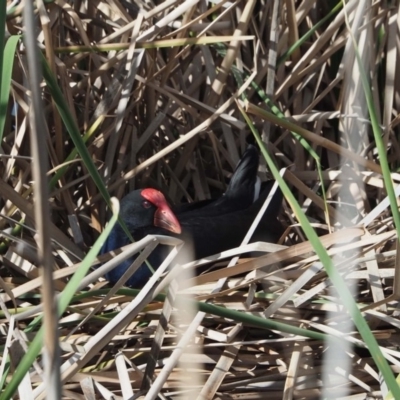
[{"x": 129, "y": 94}]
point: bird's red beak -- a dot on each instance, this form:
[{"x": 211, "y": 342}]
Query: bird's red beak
[{"x": 163, "y": 217}]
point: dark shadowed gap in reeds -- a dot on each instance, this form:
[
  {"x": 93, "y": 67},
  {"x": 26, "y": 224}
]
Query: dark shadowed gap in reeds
[{"x": 165, "y": 94}]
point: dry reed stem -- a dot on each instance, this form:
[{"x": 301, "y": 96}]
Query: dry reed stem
[{"x": 167, "y": 117}]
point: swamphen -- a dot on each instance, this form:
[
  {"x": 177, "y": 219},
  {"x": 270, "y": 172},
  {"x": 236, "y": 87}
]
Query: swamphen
[
  {"x": 141, "y": 210},
  {"x": 206, "y": 227}
]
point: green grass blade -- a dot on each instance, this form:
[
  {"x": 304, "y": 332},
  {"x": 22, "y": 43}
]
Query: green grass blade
[
  {"x": 376, "y": 129},
  {"x": 75, "y": 135},
  {"x": 239, "y": 76},
  {"x": 72, "y": 129},
  {"x": 60, "y": 173},
  {"x": 65, "y": 299},
  {"x": 3, "y": 8},
  {"x": 5, "y": 85},
  {"x": 387, "y": 178},
  {"x": 307, "y": 35},
  {"x": 275, "y": 110},
  {"x": 337, "y": 280}
]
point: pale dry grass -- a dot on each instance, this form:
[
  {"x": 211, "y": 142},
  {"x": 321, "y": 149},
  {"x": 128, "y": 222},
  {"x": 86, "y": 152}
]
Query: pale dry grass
[{"x": 167, "y": 117}]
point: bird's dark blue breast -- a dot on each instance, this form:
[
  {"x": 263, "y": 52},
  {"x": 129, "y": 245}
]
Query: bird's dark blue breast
[
  {"x": 118, "y": 239},
  {"x": 141, "y": 276}
]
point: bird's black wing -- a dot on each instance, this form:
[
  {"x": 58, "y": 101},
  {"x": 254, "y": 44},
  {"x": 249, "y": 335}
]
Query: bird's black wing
[{"x": 213, "y": 234}]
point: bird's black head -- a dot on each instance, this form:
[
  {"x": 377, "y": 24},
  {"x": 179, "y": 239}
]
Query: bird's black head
[
  {"x": 148, "y": 208},
  {"x": 141, "y": 210}
]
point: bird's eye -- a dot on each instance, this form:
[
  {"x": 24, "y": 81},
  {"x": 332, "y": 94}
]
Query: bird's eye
[{"x": 146, "y": 204}]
